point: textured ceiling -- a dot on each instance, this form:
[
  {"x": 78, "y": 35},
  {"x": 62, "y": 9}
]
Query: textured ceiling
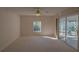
[{"x": 32, "y": 10}]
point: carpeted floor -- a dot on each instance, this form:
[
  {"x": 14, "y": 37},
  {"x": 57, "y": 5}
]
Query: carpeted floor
[{"x": 38, "y": 44}]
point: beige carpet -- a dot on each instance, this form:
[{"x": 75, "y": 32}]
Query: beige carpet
[{"x": 38, "y": 44}]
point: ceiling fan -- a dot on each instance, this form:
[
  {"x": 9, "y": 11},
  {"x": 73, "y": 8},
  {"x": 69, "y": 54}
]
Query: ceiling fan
[{"x": 38, "y": 12}]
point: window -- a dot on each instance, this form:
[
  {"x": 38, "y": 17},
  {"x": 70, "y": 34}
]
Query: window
[{"x": 36, "y": 26}]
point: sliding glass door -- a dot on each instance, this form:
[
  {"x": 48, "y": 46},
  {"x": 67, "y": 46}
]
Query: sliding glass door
[
  {"x": 62, "y": 28},
  {"x": 68, "y": 27},
  {"x": 72, "y": 27}
]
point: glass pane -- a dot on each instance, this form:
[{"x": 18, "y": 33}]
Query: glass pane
[
  {"x": 62, "y": 28},
  {"x": 72, "y": 25},
  {"x": 37, "y": 26}
]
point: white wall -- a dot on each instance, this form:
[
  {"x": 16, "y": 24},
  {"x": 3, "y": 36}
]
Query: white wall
[
  {"x": 48, "y": 25},
  {"x": 9, "y": 28}
]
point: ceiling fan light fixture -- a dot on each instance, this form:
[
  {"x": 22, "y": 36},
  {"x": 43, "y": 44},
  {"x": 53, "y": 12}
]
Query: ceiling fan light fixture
[{"x": 38, "y": 12}]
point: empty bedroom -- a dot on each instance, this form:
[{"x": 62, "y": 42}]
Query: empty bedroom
[{"x": 39, "y": 29}]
